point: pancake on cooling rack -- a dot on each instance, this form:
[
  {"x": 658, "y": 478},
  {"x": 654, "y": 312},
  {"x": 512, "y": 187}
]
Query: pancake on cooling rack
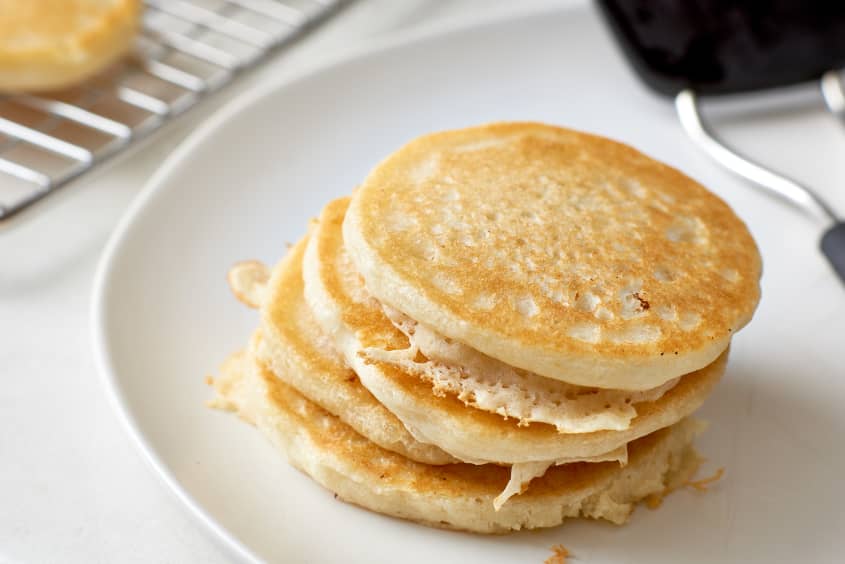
[
  {"x": 503, "y": 327},
  {"x": 52, "y": 44}
]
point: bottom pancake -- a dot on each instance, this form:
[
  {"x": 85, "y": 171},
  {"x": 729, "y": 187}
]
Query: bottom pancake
[{"x": 453, "y": 496}]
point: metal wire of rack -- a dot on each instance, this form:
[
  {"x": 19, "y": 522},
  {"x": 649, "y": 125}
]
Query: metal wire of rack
[{"x": 186, "y": 50}]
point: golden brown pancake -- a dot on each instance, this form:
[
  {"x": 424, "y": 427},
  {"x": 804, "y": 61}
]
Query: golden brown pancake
[
  {"x": 51, "y": 44},
  {"x": 562, "y": 253},
  {"x": 454, "y": 496}
]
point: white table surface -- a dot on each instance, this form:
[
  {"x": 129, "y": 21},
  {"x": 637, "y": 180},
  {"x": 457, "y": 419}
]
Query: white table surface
[{"x": 72, "y": 487}]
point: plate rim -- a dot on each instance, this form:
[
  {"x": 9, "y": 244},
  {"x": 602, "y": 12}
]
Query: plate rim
[{"x": 104, "y": 273}]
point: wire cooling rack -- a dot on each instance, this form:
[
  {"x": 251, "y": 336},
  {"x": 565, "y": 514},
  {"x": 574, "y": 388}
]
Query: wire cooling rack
[{"x": 186, "y": 50}]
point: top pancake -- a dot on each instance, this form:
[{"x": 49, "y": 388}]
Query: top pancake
[
  {"x": 47, "y": 44},
  {"x": 563, "y": 253}
]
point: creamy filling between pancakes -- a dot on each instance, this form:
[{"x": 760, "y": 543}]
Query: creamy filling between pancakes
[
  {"x": 524, "y": 472},
  {"x": 488, "y": 384}
]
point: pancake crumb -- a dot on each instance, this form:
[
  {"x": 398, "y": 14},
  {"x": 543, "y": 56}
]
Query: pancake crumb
[
  {"x": 247, "y": 280},
  {"x": 559, "y": 555},
  {"x": 209, "y": 381},
  {"x": 702, "y": 484},
  {"x": 655, "y": 500}
]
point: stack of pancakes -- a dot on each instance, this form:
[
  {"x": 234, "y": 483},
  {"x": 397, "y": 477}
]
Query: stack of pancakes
[{"x": 504, "y": 326}]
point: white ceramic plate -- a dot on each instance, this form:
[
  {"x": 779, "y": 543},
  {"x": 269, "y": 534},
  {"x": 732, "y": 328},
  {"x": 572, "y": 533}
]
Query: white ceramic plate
[{"x": 248, "y": 181}]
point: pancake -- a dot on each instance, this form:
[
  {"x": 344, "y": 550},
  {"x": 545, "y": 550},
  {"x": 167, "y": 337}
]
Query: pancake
[
  {"x": 51, "y": 44},
  {"x": 297, "y": 352},
  {"x": 454, "y": 496},
  {"x": 561, "y": 253},
  {"x": 356, "y": 323}
]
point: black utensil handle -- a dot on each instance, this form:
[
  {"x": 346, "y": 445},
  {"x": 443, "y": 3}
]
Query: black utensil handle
[
  {"x": 727, "y": 46},
  {"x": 833, "y": 247}
]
